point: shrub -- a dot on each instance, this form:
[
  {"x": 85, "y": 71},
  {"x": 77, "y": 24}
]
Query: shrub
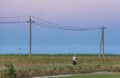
[{"x": 8, "y": 71}]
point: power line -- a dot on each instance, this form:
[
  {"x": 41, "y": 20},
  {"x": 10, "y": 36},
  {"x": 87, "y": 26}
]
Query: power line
[
  {"x": 49, "y": 24},
  {"x": 10, "y": 22},
  {"x": 46, "y": 21},
  {"x": 9, "y": 17},
  {"x": 4, "y": 17},
  {"x": 65, "y": 27},
  {"x": 13, "y": 22}
]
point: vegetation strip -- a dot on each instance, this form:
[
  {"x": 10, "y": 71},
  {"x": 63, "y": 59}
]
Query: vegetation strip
[{"x": 48, "y": 65}]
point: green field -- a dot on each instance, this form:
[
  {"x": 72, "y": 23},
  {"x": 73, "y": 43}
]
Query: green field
[
  {"x": 95, "y": 76},
  {"x": 48, "y": 65}
]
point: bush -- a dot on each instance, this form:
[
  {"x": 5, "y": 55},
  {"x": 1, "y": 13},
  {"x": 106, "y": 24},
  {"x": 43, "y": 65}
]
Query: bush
[{"x": 8, "y": 71}]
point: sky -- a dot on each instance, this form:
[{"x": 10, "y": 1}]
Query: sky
[{"x": 14, "y": 38}]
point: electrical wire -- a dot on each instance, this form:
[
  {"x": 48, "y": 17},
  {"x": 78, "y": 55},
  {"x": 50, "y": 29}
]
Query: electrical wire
[
  {"x": 7, "y": 17},
  {"x": 49, "y": 24},
  {"x": 44, "y": 21},
  {"x": 12, "y": 17},
  {"x": 13, "y": 22},
  {"x": 64, "y": 27}
]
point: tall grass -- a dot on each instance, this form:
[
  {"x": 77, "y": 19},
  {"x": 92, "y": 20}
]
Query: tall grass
[
  {"x": 40, "y": 65},
  {"x": 8, "y": 72}
]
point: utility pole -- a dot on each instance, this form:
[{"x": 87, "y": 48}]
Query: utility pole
[
  {"x": 102, "y": 42},
  {"x": 30, "y": 36}
]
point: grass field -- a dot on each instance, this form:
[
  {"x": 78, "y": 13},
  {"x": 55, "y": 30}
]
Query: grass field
[
  {"x": 95, "y": 76},
  {"x": 47, "y": 65}
]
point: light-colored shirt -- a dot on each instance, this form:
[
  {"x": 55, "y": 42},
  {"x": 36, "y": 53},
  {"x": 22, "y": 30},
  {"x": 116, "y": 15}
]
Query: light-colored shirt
[{"x": 74, "y": 58}]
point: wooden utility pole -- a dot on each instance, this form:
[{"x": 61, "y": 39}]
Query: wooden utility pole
[
  {"x": 30, "y": 43},
  {"x": 102, "y": 42}
]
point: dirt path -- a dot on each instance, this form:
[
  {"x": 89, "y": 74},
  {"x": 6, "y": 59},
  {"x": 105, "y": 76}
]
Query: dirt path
[
  {"x": 79, "y": 74},
  {"x": 105, "y": 73}
]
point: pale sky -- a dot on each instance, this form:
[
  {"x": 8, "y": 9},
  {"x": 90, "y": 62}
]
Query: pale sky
[{"x": 80, "y": 13}]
